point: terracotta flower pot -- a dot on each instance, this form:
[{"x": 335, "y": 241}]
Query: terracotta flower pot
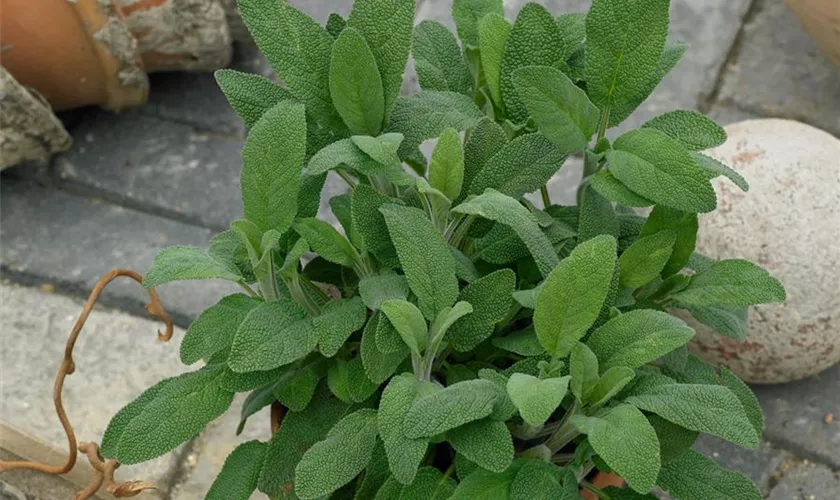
[
  {"x": 821, "y": 19},
  {"x": 74, "y": 53},
  {"x": 602, "y": 480}
]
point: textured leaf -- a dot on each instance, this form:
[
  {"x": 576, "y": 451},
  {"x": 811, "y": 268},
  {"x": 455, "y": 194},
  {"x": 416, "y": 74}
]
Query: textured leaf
[
  {"x": 375, "y": 290},
  {"x": 483, "y": 142},
  {"x": 424, "y": 256},
  {"x": 626, "y": 441},
  {"x": 426, "y": 115},
  {"x": 583, "y": 367},
  {"x": 250, "y": 95},
  {"x": 272, "y": 162},
  {"x": 624, "y": 45},
  {"x": 572, "y": 27},
  {"x": 187, "y": 263},
  {"x": 346, "y": 153},
  {"x": 228, "y": 247},
  {"x": 338, "y": 380},
  {"x": 611, "y": 383},
  {"x": 355, "y": 85},
  {"x": 298, "y": 49},
  {"x": 538, "y": 480},
  {"x": 438, "y": 60},
  {"x": 485, "y": 485},
  {"x": 498, "y": 207},
  {"x": 486, "y": 442},
  {"x": 273, "y": 334},
  {"x": 612, "y": 189},
  {"x": 711, "y": 409},
  {"x": 335, "y": 24},
  {"x": 379, "y": 365},
  {"x": 446, "y": 318},
  {"x": 536, "y": 399},
  {"x": 335, "y": 461},
  {"x": 238, "y": 477},
  {"x": 467, "y": 15},
  {"x": 375, "y": 476},
  {"x": 451, "y": 407},
  {"x": 119, "y": 422},
  {"x": 657, "y": 167},
  {"x": 490, "y": 297},
  {"x": 732, "y": 282},
  {"x": 324, "y": 240},
  {"x": 215, "y": 328},
  {"x": 534, "y": 41},
  {"x": 446, "y": 168},
  {"x": 386, "y": 26},
  {"x": 694, "y": 130},
  {"x": 695, "y": 477},
  {"x": 573, "y": 294},
  {"x": 503, "y": 409},
  {"x": 638, "y": 337},
  {"x": 464, "y": 267},
  {"x": 715, "y": 169},
  {"x": 521, "y": 167},
  {"x": 730, "y": 321},
  {"x": 409, "y": 322},
  {"x": 339, "y": 319},
  {"x": 597, "y": 216},
  {"x": 560, "y": 108},
  {"x": 645, "y": 259},
  {"x": 522, "y": 342},
  {"x": 493, "y": 32},
  {"x": 370, "y": 223},
  {"x": 674, "y": 440},
  {"x": 297, "y": 392},
  {"x": 404, "y": 453},
  {"x": 683, "y": 224},
  {"x": 241, "y": 382},
  {"x": 168, "y": 415},
  {"x": 748, "y": 399}
]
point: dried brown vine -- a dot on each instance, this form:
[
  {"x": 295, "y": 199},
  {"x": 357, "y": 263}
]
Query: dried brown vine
[{"x": 104, "y": 468}]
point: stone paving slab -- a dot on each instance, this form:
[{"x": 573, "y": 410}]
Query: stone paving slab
[
  {"x": 117, "y": 357},
  {"x": 807, "y": 481},
  {"x": 779, "y": 71},
  {"x": 760, "y": 464},
  {"x": 71, "y": 242}
]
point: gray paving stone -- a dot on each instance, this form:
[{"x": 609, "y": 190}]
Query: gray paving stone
[
  {"x": 808, "y": 481},
  {"x": 759, "y": 464},
  {"x": 117, "y": 357},
  {"x": 156, "y": 165},
  {"x": 781, "y": 72},
  {"x": 795, "y": 416},
  {"x": 70, "y": 242}
]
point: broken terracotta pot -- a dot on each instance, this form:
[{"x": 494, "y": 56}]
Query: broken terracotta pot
[{"x": 73, "y": 53}]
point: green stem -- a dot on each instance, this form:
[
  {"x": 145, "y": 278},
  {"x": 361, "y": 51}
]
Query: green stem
[
  {"x": 349, "y": 180},
  {"x": 546, "y": 198},
  {"x": 268, "y": 284},
  {"x": 248, "y": 289},
  {"x": 602, "y": 123},
  {"x": 565, "y": 432}
]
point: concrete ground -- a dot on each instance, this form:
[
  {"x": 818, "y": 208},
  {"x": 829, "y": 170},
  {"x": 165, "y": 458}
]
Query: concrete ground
[{"x": 168, "y": 173}]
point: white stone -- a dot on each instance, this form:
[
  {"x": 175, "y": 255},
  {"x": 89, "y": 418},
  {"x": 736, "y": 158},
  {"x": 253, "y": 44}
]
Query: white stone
[{"x": 788, "y": 223}]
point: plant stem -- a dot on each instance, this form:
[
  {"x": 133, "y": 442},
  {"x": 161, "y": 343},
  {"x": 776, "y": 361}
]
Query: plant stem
[
  {"x": 602, "y": 123},
  {"x": 565, "y": 432},
  {"x": 546, "y": 198},
  {"x": 248, "y": 289},
  {"x": 349, "y": 180}
]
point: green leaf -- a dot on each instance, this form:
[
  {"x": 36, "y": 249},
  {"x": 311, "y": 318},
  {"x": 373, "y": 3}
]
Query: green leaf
[
  {"x": 694, "y": 130},
  {"x": 409, "y": 322},
  {"x": 624, "y": 45},
  {"x": 495, "y": 206},
  {"x": 611, "y": 383},
  {"x": 228, "y": 247},
  {"x": 240, "y": 473},
  {"x": 467, "y": 15},
  {"x": 583, "y": 367},
  {"x": 430, "y": 484},
  {"x": 446, "y": 318},
  {"x": 521, "y": 167},
  {"x": 732, "y": 282},
  {"x": 386, "y": 26},
  {"x": 560, "y": 108},
  {"x": 346, "y": 153},
  {"x": 379, "y": 365},
  {"x": 335, "y": 461},
  {"x": 626, "y": 441},
  {"x": 425, "y": 258},
  {"x": 683, "y": 224},
  {"x": 388, "y": 340},
  {"x": 573, "y": 294},
  {"x": 338, "y": 380},
  {"x": 241, "y": 382},
  {"x": 670, "y": 57},
  {"x": 255, "y": 402},
  {"x": 426, "y": 115},
  {"x": 355, "y": 84},
  {"x": 485, "y": 485},
  {"x": 298, "y": 432},
  {"x": 645, "y": 259},
  {"x": 438, "y": 60},
  {"x": 715, "y": 169},
  {"x": 335, "y": 24},
  {"x": 695, "y": 477},
  {"x": 361, "y": 387},
  {"x": 166, "y": 416},
  {"x": 297, "y": 392},
  {"x": 536, "y": 399},
  {"x": 273, "y": 334},
  {"x": 638, "y": 337},
  {"x": 324, "y": 240},
  {"x": 485, "y": 442},
  {"x": 522, "y": 342},
  {"x": 464, "y": 268},
  {"x": 746, "y": 396},
  {"x": 214, "y": 328},
  {"x": 612, "y": 189},
  {"x": 186, "y": 263},
  {"x": 272, "y": 162},
  {"x": 674, "y": 440},
  {"x": 538, "y": 480},
  {"x": 485, "y": 140},
  {"x": 446, "y": 168},
  {"x": 370, "y": 224},
  {"x": 597, "y": 216},
  {"x": 657, "y": 167},
  {"x": 404, "y": 453},
  {"x": 572, "y": 27},
  {"x": 503, "y": 409},
  {"x": 339, "y": 319},
  {"x": 490, "y": 297},
  {"x": 711, "y": 409},
  {"x": 376, "y": 289},
  {"x": 451, "y": 407},
  {"x": 493, "y": 32},
  {"x": 298, "y": 49},
  {"x": 729, "y": 321},
  {"x": 250, "y": 95},
  {"x": 534, "y": 41}
]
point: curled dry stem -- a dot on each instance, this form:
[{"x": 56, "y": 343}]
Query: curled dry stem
[{"x": 104, "y": 469}]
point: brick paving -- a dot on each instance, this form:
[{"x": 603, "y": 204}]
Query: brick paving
[{"x": 168, "y": 173}]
